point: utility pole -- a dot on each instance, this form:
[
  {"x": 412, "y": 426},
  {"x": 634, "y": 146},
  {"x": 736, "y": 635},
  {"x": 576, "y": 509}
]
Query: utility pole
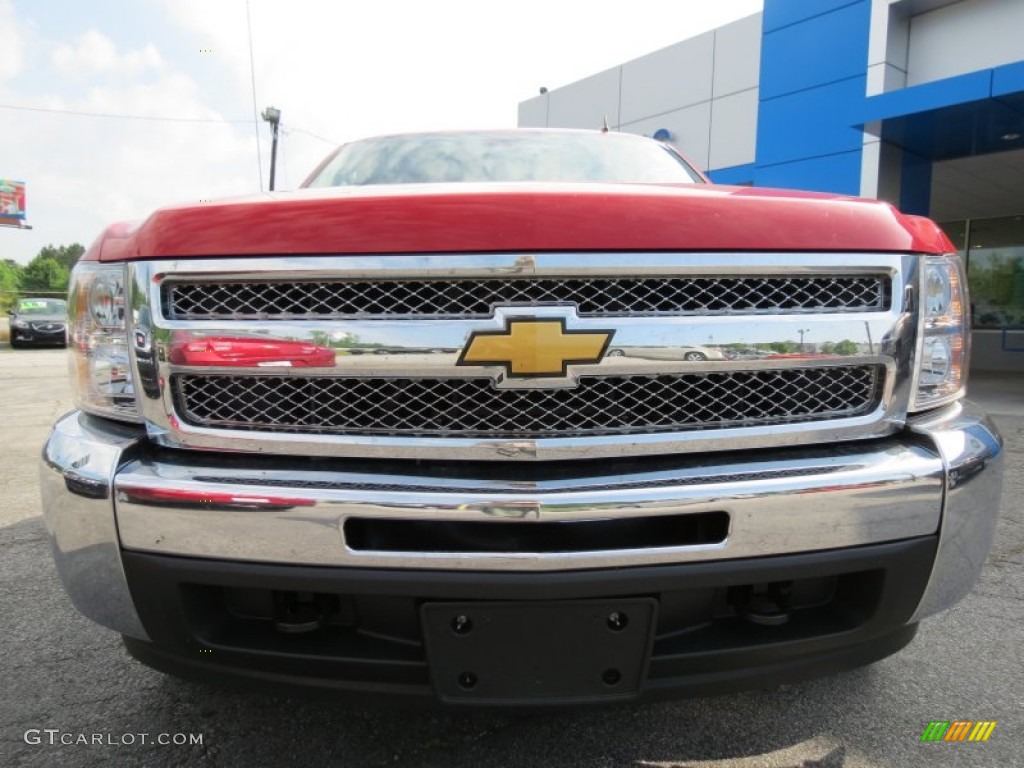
[
  {"x": 801, "y": 331},
  {"x": 273, "y": 116}
]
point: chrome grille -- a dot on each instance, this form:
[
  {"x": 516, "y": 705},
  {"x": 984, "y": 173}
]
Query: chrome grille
[
  {"x": 450, "y": 407},
  {"x": 466, "y": 297}
]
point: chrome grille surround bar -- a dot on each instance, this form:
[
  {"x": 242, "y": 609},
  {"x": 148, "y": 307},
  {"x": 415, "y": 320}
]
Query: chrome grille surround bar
[{"x": 418, "y": 347}]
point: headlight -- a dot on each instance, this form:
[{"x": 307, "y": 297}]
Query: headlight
[
  {"x": 941, "y": 375},
  {"x": 101, "y": 376},
  {"x": 19, "y": 323}
]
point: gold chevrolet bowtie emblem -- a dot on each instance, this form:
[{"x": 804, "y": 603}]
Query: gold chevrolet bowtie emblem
[{"x": 535, "y": 347}]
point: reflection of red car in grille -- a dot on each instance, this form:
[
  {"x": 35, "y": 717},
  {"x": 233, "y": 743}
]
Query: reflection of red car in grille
[{"x": 242, "y": 351}]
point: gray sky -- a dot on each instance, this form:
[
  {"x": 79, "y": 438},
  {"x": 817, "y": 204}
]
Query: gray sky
[{"x": 337, "y": 70}]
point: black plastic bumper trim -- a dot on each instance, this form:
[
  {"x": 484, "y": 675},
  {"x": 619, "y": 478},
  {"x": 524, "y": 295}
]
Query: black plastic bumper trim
[{"x": 897, "y": 573}]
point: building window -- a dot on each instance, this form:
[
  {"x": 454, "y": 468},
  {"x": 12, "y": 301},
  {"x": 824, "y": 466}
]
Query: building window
[
  {"x": 957, "y": 232},
  {"x": 995, "y": 268},
  {"x": 995, "y": 271}
]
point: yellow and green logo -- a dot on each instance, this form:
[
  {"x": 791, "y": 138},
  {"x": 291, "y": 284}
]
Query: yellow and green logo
[{"x": 958, "y": 730}]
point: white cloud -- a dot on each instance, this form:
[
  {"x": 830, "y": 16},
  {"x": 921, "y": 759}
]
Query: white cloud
[
  {"x": 83, "y": 172},
  {"x": 94, "y": 53},
  {"x": 10, "y": 42}
]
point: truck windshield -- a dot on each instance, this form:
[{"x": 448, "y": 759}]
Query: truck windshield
[{"x": 504, "y": 157}]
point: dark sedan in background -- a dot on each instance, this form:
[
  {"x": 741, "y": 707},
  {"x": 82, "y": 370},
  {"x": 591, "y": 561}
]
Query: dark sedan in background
[{"x": 39, "y": 321}]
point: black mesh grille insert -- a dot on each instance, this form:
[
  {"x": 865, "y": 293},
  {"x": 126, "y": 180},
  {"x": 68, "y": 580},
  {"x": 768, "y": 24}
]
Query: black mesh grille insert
[
  {"x": 466, "y": 297},
  {"x": 474, "y": 408}
]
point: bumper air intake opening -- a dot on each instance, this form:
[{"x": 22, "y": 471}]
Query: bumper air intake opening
[{"x": 433, "y": 536}]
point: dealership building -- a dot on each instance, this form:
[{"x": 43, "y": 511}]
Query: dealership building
[{"x": 917, "y": 102}]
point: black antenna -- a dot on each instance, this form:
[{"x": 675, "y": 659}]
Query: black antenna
[{"x": 255, "y": 111}]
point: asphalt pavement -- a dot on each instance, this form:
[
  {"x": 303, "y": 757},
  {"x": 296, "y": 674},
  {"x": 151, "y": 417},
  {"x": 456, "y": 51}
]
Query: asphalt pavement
[{"x": 63, "y": 678}]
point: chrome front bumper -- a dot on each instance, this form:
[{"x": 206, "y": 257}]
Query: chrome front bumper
[{"x": 105, "y": 488}]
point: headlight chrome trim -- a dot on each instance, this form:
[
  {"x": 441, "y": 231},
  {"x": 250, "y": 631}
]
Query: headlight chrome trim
[
  {"x": 943, "y": 318},
  {"x": 101, "y": 370}
]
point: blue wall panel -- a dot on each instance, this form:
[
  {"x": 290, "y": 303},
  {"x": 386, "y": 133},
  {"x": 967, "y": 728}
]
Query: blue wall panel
[
  {"x": 813, "y": 106},
  {"x": 736, "y": 174},
  {"x": 781, "y": 13},
  {"x": 813, "y": 81},
  {"x": 916, "y": 184},
  {"x": 838, "y": 173},
  {"x": 954, "y": 117},
  {"x": 810, "y": 123},
  {"x": 1008, "y": 79},
  {"x": 817, "y": 51},
  {"x": 921, "y": 98}
]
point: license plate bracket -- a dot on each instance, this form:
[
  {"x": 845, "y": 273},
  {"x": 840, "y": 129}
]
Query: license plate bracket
[{"x": 530, "y": 652}]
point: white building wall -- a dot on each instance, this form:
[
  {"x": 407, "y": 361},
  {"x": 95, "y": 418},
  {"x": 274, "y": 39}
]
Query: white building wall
[
  {"x": 667, "y": 80},
  {"x": 887, "y": 45},
  {"x": 738, "y": 56},
  {"x": 690, "y": 128},
  {"x": 586, "y": 103},
  {"x": 533, "y": 113},
  {"x": 702, "y": 90},
  {"x": 964, "y": 37},
  {"x": 920, "y": 41},
  {"x": 733, "y": 139},
  {"x": 583, "y": 104}
]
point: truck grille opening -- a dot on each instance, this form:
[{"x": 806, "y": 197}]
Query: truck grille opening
[
  {"x": 367, "y": 534},
  {"x": 413, "y": 407},
  {"x": 473, "y": 298}
]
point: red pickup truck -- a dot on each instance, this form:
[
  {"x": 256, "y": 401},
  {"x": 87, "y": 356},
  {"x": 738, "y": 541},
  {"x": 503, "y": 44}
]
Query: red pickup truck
[{"x": 520, "y": 498}]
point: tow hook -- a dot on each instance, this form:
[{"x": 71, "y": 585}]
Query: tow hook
[
  {"x": 297, "y": 612},
  {"x": 766, "y": 604}
]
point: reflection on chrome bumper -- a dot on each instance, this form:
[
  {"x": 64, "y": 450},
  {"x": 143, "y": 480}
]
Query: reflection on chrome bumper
[
  {"x": 796, "y": 500},
  {"x": 76, "y": 476},
  {"x": 972, "y": 451}
]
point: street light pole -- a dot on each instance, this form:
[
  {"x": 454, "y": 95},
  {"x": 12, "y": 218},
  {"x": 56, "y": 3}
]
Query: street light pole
[
  {"x": 802, "y": 331},
  {"x": 273, "y": 116}
]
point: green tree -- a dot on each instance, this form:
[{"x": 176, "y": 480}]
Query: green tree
[
  {"x": 44, "y": 275},
  {"x": 65, "y": 255},
  {"x": 321, "y": 338},
  {"x": 846, "y": 347},
  {"x": 997, "y": 286},
  {"x": 10, "y": 282}
]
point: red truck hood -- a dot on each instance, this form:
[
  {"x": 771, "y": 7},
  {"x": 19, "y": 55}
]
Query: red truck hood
[{"x": 452, "y": 218}]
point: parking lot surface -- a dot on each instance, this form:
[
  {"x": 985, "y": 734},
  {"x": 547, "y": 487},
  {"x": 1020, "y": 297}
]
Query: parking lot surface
[{"x": 64, "y": 678}]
